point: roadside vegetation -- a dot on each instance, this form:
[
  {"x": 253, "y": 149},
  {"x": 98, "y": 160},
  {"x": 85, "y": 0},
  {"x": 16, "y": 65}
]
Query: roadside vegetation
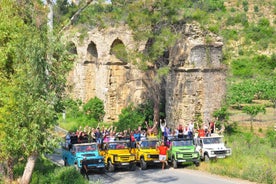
[{"x": 47, "y": 172}]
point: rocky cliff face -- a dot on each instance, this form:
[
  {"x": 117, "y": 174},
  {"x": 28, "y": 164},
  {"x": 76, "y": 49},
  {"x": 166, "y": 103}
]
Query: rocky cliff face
[
  {"x": 194, "y": 87},
  {"x": 97, "y": 72}
]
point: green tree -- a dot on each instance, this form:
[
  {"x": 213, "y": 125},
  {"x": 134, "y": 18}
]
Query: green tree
[
  {"x": 31, "y": 87},
  {"x": 268, "y": 90},
  {"x": 222, "y": 114},
  {"x": 253, "y": 111},
  {"x": 130, "y": 117},
  {"x": 94, "y": 109}
]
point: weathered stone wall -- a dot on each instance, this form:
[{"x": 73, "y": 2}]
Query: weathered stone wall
[
  {"x": 99, "y": 73},
  {"x": 194, "y": 86}
]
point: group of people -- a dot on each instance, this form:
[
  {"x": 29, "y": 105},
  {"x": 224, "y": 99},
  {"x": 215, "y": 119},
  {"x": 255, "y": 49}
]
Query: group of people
[{"x": 109, "y": 134}]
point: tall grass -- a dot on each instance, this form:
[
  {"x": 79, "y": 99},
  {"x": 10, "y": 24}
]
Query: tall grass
[{"x": 252, "y": 159}]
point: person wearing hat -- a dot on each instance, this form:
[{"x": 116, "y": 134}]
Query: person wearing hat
[{"x": 84, "y": 168}]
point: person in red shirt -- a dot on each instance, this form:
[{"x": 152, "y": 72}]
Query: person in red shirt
[
  {"x": 201, "y": 132},
  {"x": 163, "y": 154}
]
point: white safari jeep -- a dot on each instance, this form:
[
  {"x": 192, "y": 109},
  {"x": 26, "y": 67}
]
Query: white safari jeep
[{"x": 212, "y": 147}]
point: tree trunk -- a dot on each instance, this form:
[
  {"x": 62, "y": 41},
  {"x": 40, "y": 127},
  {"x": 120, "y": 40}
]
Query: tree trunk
[
  {"x": 26, "y": 178},
  {"x": 2, "y": 169},
  {"x": 156, "y": 111},
  {"x": 10, "y": 166},
  {"x": 251, "y": 123}
]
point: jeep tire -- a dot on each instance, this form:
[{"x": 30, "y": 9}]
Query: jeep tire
[
  {"x": 174, "y": 163},
  {"x": 143, "y": 164},
  {"x": 102, "y": 170},
  {"x": 65, "y": 162},
  {"x": 132, "y": 167},
  {"x": 110, "y": 166},
  {"x": 206, "y": 157}
]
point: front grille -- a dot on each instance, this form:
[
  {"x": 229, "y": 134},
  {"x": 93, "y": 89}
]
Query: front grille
[
  {"x": 124, "y": 158},
  {"x": 184, "y": 156},
  {"x": 92, "y": 161},
  {"x": 221, "y": 152},
  {"x": 154, "y": 156}
]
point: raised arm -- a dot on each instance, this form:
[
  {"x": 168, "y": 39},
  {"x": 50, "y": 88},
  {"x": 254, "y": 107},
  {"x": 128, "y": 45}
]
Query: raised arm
[{"x": 154, "y": 126}]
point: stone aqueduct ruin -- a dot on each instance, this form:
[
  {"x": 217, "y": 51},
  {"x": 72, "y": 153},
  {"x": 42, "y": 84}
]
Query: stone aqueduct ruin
[{"x": 194, "y": 86}]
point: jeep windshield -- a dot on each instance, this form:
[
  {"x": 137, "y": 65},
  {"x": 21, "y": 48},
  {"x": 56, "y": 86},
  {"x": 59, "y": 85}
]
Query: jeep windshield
[
  {"x": 117, "y": 145},
  {"x": 148, "y": 144},
  {"x": 183, "y": 143},
  {"x": 212, "y": 140},
  {"x": 84, "y": 148}
]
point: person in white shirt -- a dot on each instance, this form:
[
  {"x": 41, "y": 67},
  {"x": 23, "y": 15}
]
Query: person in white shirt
[
  {"x": 186, "y": 131},
  {"x": 191, "y": 129},
  {"x": 163, "y": 126}
]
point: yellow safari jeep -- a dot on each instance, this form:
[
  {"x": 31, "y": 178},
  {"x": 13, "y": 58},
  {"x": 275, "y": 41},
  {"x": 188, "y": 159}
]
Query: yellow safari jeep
[
  {"x": 146, "y": 153},
  {"x": 117, "y": 155}
]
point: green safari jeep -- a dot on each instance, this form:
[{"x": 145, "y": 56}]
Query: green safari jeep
[{"x": 183, "y": 152}]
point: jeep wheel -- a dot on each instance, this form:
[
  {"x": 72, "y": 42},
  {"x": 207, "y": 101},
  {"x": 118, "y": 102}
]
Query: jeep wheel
[
  {"x": 197, "y": 164},
  {"x": 143, "y": 164},
  {"x": 65, "y": 162},
  {"x": 174, "y": 163},
  {"x": 110, "y": 166},
  {"x": 132, "y": 167},
  {"x": 206, "y": 157},
  {"x": 102, "y": 170}
]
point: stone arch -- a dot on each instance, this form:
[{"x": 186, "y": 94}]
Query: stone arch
[
  {"x": 71, "y": 47},
  {"x": 118, "y": 49},
  {"x": 92, "y": 53}
]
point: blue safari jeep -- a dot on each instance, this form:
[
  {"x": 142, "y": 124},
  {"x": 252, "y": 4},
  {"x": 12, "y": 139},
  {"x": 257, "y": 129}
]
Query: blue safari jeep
[{"x": 73, "y": 154}]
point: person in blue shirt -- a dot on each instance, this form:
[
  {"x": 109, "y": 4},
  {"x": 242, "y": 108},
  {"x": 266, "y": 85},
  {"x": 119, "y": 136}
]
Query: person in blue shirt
[{"x": 137, "y": 135}]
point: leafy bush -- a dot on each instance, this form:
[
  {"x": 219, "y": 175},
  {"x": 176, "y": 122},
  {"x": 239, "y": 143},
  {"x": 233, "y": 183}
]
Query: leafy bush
[
  {"x": 47, "y": 172},
  {"x": 239, "y": 18},
  {"x": 231, "y": 128},
  {"x": 271, "y": 136},
  {"x": 210, "y": 5},
  {"x": 230, "y": 34},
  {"x": 78, "y": 114},
  {"x": 67, "y": 175},
  {"x": 134, "y": 116},
  {"x": 256, "y": 8},
  {"x": 261, "y": 31},
  {"x": 221, "y": 114},
  {"x": 42, "y": 171},
  {"x": 258, "y": 65},
  {"x": 94, "y": 109},
  {"x": 72, "y": 107},
  {"x": 242, "y": 67},
  {"x": 245, "y": 6},
  {"x": 129, "y": 118}
]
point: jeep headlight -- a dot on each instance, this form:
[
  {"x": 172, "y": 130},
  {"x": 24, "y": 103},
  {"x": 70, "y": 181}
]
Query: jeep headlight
[
  {"x": 228, "y": 151},
  {"x": 194, "y": 155},
  {"x": 132, "y": 158},
  {"x": 100, "y": 160},
  {"x": 116, "y": 158},
  {"x": 148, "y": 156},
  {"x": 212, "y": 152}
]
